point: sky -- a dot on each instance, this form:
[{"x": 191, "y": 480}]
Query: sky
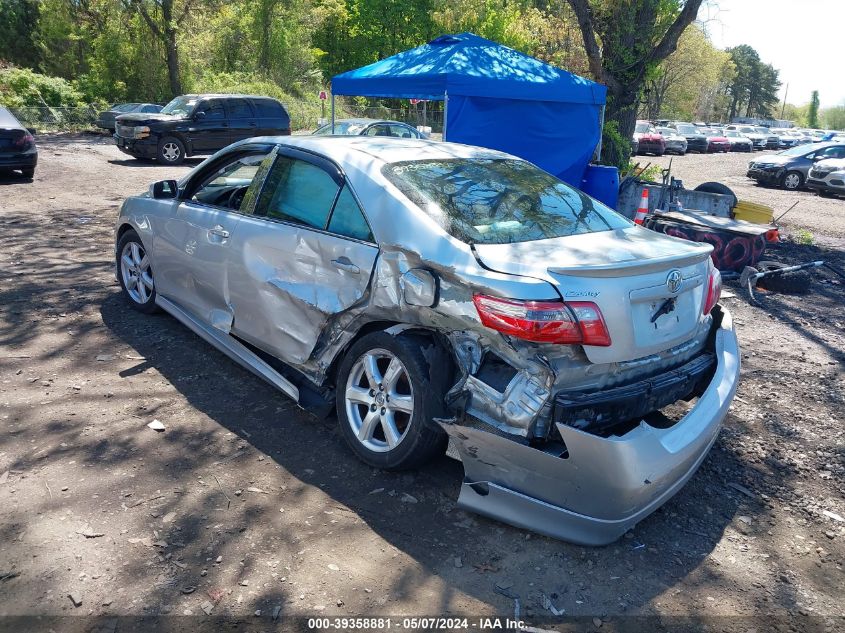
[{"x": 802, "y": 39}]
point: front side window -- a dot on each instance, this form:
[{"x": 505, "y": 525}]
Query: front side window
[
  {"x": 213, "y": 110},
  {"x": 299, "y": 192},
  {"x": 499, "y": 201},
  {"x": 227, "y": 185}
]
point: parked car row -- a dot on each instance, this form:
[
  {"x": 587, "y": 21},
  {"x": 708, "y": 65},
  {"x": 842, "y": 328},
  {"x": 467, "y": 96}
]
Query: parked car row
[
  {"x": 791, "y": 168},
  {"x": 664, "y": 136}
]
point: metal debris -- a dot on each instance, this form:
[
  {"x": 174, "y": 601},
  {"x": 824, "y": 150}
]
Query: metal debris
[{"x": 156, "y": 425}]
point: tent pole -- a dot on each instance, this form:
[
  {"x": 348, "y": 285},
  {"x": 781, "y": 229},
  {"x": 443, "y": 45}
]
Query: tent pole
[
  {"x": 332, "y": 113},
  {"x": 601, "y": 133},
  {"x": 445, "y": 112}
]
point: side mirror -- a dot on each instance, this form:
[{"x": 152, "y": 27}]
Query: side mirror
[
  {"x": 164, "y": 189},
  {"x": 199, "y": 116},
  {"x": 31, "y": 130}
]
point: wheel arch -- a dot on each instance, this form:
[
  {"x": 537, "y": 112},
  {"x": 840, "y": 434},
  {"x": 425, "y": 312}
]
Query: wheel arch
[{"x": 395, "y": 328}]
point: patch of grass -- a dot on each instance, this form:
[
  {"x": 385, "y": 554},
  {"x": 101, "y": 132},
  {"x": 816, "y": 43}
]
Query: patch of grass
[{"x": 803, "y": 237}]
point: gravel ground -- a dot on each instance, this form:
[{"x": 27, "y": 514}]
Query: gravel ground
[{"x": 247, "y": 503}]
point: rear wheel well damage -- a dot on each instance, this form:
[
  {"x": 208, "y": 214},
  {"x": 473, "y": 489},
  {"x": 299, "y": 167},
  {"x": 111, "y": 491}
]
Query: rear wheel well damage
[{"x": 438, "y": 354}]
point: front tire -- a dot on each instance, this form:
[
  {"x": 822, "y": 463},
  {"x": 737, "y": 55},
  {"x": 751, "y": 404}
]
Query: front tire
[
  {"x": 135, "y": 273},
  {"x": 792, "y": 180},
  {"x": 387, "y": 397},
  {"x": 171, "y": 151}
]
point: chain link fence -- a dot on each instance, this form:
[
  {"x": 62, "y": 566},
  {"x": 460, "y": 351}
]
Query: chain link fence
[{"x": 47, "y": 118}]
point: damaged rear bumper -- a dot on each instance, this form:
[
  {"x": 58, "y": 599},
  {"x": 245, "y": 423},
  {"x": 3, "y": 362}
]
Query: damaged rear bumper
[{"x": 600, "y": 487}]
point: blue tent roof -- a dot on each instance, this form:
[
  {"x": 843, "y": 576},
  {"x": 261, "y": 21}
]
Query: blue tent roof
[{"x": 467, "y": 65}]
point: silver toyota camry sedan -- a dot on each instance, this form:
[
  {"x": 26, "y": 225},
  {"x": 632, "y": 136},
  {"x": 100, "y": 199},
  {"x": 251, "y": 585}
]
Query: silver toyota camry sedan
[{"x": 445, "y": 296}]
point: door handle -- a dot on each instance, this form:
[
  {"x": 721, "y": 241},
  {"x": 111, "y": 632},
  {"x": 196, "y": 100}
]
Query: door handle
[
  {"x": 253, "y": 124},
  {"x": 219, "y": 231},
  {"x": 344, "y": 264}
]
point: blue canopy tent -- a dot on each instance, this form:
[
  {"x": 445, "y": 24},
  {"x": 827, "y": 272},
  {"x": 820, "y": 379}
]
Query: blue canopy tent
[{"x": 494, "y": 97}]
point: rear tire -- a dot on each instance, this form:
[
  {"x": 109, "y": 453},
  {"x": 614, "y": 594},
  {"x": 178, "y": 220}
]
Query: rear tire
[{"x": 387, "y": 395}]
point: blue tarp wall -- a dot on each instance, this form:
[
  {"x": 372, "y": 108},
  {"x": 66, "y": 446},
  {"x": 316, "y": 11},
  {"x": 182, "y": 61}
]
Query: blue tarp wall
[{"x": 497, "y": 98}]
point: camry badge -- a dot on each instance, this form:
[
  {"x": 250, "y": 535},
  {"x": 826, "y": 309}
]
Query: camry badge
[{"x": 674, "y": 280}]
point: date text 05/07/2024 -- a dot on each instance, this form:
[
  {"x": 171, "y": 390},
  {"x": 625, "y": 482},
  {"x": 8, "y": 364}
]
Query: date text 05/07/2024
[{"x": 413, "y": 623}]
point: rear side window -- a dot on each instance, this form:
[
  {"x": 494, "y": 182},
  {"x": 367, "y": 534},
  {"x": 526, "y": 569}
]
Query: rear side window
[
  {"x": 299, "y": 192},
  {"x": 499, "y": 201},
  {"x": 268, "y": 108},
  {"x": 239, "y": 109},
  {"x": 348, "y": 219}
]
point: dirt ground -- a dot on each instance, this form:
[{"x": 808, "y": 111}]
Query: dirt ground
[{"x": 247, "y": 504}]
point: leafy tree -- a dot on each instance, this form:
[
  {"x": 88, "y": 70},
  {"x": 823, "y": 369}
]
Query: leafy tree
[
  {"x": 165, "y": 18},
  {"x": 624, "y": 41},
  {"x": 834, "y": 118},
  {"x": 18, "y": 21},
  {"x": 813, "y": 110},
  {"x": 755, "y": 85},
  {"x": 685, "y": 85}
]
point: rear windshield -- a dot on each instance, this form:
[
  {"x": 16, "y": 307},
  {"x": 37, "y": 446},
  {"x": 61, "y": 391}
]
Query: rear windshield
[
  {"x": 499, "y": 201},
  {"x": 687, "y": 129}
]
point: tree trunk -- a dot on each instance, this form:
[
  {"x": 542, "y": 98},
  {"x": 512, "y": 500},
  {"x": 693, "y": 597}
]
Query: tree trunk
[
  {"x": 173, "y": 75},
  {"x": 169, "y": 29}
]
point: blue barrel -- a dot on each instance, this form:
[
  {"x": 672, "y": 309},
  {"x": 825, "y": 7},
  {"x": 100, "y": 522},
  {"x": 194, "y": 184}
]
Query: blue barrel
[{"x": 602, "y": 183}]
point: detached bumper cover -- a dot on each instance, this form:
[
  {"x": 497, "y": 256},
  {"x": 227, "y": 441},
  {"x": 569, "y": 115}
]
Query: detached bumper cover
[{"x": 604, "y": 486}]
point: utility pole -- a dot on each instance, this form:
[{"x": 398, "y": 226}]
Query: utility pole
[{"x": 783, "y": 107}]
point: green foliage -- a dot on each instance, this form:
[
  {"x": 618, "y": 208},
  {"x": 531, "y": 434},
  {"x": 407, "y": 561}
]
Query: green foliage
[
  {"x": 834, "y": 118},
  {"x": 690, "y": 84},
  {"x": 755, "y": 85},
  {"x": 18, "y": 19},
  {"x": 23, "y": 87},
  {"x": 813, "y": 110},
  {"x": 803, "y": 237},
  {"x": 615, "y": 147}
]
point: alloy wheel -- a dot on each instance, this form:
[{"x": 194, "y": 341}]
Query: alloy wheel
[
  {"x": 136, "y": 272},
  {"x": 792, "y": 181},
  {"x": 379, "y": 400},
  {"x": 171, "y": 152}
]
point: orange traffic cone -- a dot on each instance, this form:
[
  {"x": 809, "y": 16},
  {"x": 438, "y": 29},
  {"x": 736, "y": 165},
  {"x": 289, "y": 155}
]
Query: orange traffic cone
[{"x": 643, "y": 209}]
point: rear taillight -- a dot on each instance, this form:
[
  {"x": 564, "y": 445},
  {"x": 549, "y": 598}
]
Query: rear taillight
[
  {"x": 714, "y": 290},
  {"x": 576, "y": 322},
  {"x": 24, "y": 142}
]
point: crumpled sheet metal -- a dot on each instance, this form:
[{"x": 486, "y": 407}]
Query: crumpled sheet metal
[{"x": 605, "y": 485}]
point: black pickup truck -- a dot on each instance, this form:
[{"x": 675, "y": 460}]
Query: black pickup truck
[{"x": 199, "y": 124}]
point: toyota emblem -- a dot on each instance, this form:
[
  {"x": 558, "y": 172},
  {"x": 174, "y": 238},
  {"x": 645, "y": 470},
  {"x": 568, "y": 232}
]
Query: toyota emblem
[{"x": 674, "y": 280}]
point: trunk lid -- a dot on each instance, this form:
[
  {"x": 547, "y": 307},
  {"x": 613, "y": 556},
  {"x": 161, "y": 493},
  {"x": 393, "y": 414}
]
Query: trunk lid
[{"x": 626, "y": 272}]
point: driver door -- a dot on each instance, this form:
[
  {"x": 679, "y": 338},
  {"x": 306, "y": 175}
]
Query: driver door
[{"x": 192, "y": 246}]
